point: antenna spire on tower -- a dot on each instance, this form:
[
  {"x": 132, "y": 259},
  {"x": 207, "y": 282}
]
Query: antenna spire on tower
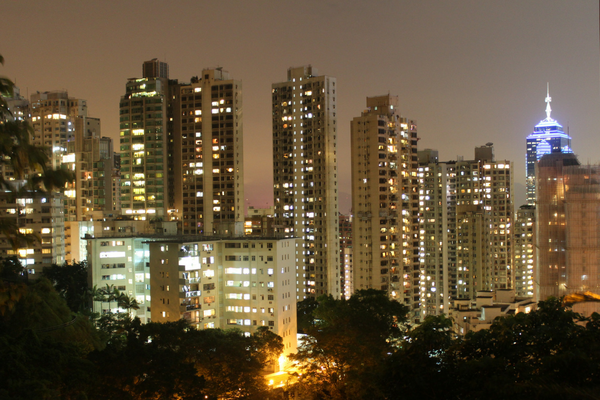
[{"x": 548, "y": 100}]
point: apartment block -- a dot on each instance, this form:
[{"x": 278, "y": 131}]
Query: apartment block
[
  {"x": 38, "y": 214},
  {"x": 346, "y": 255},
  {"x": 53, "y": 119},
  {"x": 438, "y": 233},
  {"x": 121, "y": 262},
  {"x": 208, "y": 149},
  {"x": 466, "y": 231},
  {"x": 567, "y": 228},
  {"x": 385, "y": 202},
  {"x": 242, "y": 283},
  {"x": 91, "y": 159},
  {"x": 305, "y": 177},
  {"x": 144, "y": 118},
  {"x": 525, "y": 251}
]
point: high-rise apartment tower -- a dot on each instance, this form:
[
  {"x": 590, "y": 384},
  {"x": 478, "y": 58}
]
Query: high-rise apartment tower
[
  {"x": 385, "y": 201},
  {"x": 305, "y": 177},
  {"x": 144, "y": 118},
  {"x": 208, "y": 149},
  {"x": 466, "y": 230}
]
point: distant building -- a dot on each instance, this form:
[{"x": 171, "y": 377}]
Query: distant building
[
  {"x": 547, "y": 137},
  {"x": 525, "y": 251},
  {"x": 348, "y": 267},
  {"x": 18, "y": 106},
  {"x": 145, "y": 117},
  {"x": 305, "y": 177},
  {"x": 568, "y": 228},
  {"x": 91, "y": 159},
  {"x": 208, "y": 149},
  {"x": 346, "y": 255},
  {"x": 385, "y": 202},
  {"x": 259, "y": 222},
  {"x": 472, "y": 315},
  {"x": 155, "y": 69},
  {"x": 34, "y": 214},
  {"x": 466, "y": 230},
  {"x": 53, "y": 118}
]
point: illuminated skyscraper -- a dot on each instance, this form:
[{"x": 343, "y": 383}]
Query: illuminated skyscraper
[
  {"x": 208, "y": 149},
  {"x": 466, "y": 211},
  {"x": 385, "y": 202},
  {"x": 525, "y": 251},
  {"x": 53, "y": 116},
  {"x": 91, "y": 158},
  {"x": 547, "y": 137},
  {"x": 144, "y": 115},
  {"x": 305, "y": 177},
  {"x": 346, "y": 255},
  {"x": 568, "y": 229}
]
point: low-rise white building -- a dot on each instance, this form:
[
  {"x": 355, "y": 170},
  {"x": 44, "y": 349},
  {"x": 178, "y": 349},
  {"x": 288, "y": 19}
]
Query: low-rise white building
[
  {"x": 242, "y": 283},
  {"x": 212, "y": 282},
  {"x": 477, "y": 314},
  {"x": 121, "y": 262}
]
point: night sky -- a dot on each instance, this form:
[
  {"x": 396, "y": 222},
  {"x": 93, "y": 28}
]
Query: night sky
[{"x": 469, "y": 72}]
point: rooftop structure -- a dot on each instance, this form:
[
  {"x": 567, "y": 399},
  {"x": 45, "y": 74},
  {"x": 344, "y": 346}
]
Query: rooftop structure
[{"x": 547, "y": 137}]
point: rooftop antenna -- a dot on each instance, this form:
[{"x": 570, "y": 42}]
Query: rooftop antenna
[{"x": 548, "y": 100}]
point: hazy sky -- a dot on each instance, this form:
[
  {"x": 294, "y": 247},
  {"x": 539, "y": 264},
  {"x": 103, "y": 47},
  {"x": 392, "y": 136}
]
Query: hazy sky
[{"x": 469, "y": 72}]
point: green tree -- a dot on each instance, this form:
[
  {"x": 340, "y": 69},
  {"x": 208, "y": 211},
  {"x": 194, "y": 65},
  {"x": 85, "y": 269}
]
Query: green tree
[
  {"x": 419, "y": 361},
  {"x": 304, "y": 313},
  {"x": 43, "y": 346},
  {"x": 231, "y": 363},
  {"x": 28, "y": 162},
  {"x": 344, "y": 349},
  {"x": 71, "y": 282},
  {"x": 551, "y": 352},
  {"x": 154, "y": 362},
  {"x": 268, "y": 346}
]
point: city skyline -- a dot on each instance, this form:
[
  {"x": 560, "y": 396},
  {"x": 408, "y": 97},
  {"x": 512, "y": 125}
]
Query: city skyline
[{"x": 468, "y": 72}]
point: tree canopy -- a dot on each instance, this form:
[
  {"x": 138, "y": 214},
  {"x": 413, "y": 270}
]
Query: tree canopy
[
  {"x": 29, "y": 164},
  {"x": 347, "y": 342}
]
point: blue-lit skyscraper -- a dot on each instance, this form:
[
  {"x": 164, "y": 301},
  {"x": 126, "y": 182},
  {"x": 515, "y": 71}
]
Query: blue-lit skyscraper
[{"x": 547, "y": 137}]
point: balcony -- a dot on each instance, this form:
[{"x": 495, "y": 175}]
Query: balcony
[{"x": 192, "y": 293}]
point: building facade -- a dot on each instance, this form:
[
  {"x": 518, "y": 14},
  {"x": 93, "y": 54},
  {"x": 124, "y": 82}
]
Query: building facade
[
  {"x": 466, "y": 231},
  {"x": 144, "y": 141},
  {"x": 208, "y": 149},
  {"x": 121, "y": 262},
  {"x": 33, "y": 214},
  {"x": 91, "y": 159},
  {"x": 238, "y": 283},
  {"x": 525, "y": 251},
  {"x": 568, "y": 229},
  {"x": 385, "y": 202},
  {"x": 53, "y": 118},
  {"x": 547, "y": 137},
  {"x": 346, "y": 255},
  {"x": 305, "y": 177}
]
